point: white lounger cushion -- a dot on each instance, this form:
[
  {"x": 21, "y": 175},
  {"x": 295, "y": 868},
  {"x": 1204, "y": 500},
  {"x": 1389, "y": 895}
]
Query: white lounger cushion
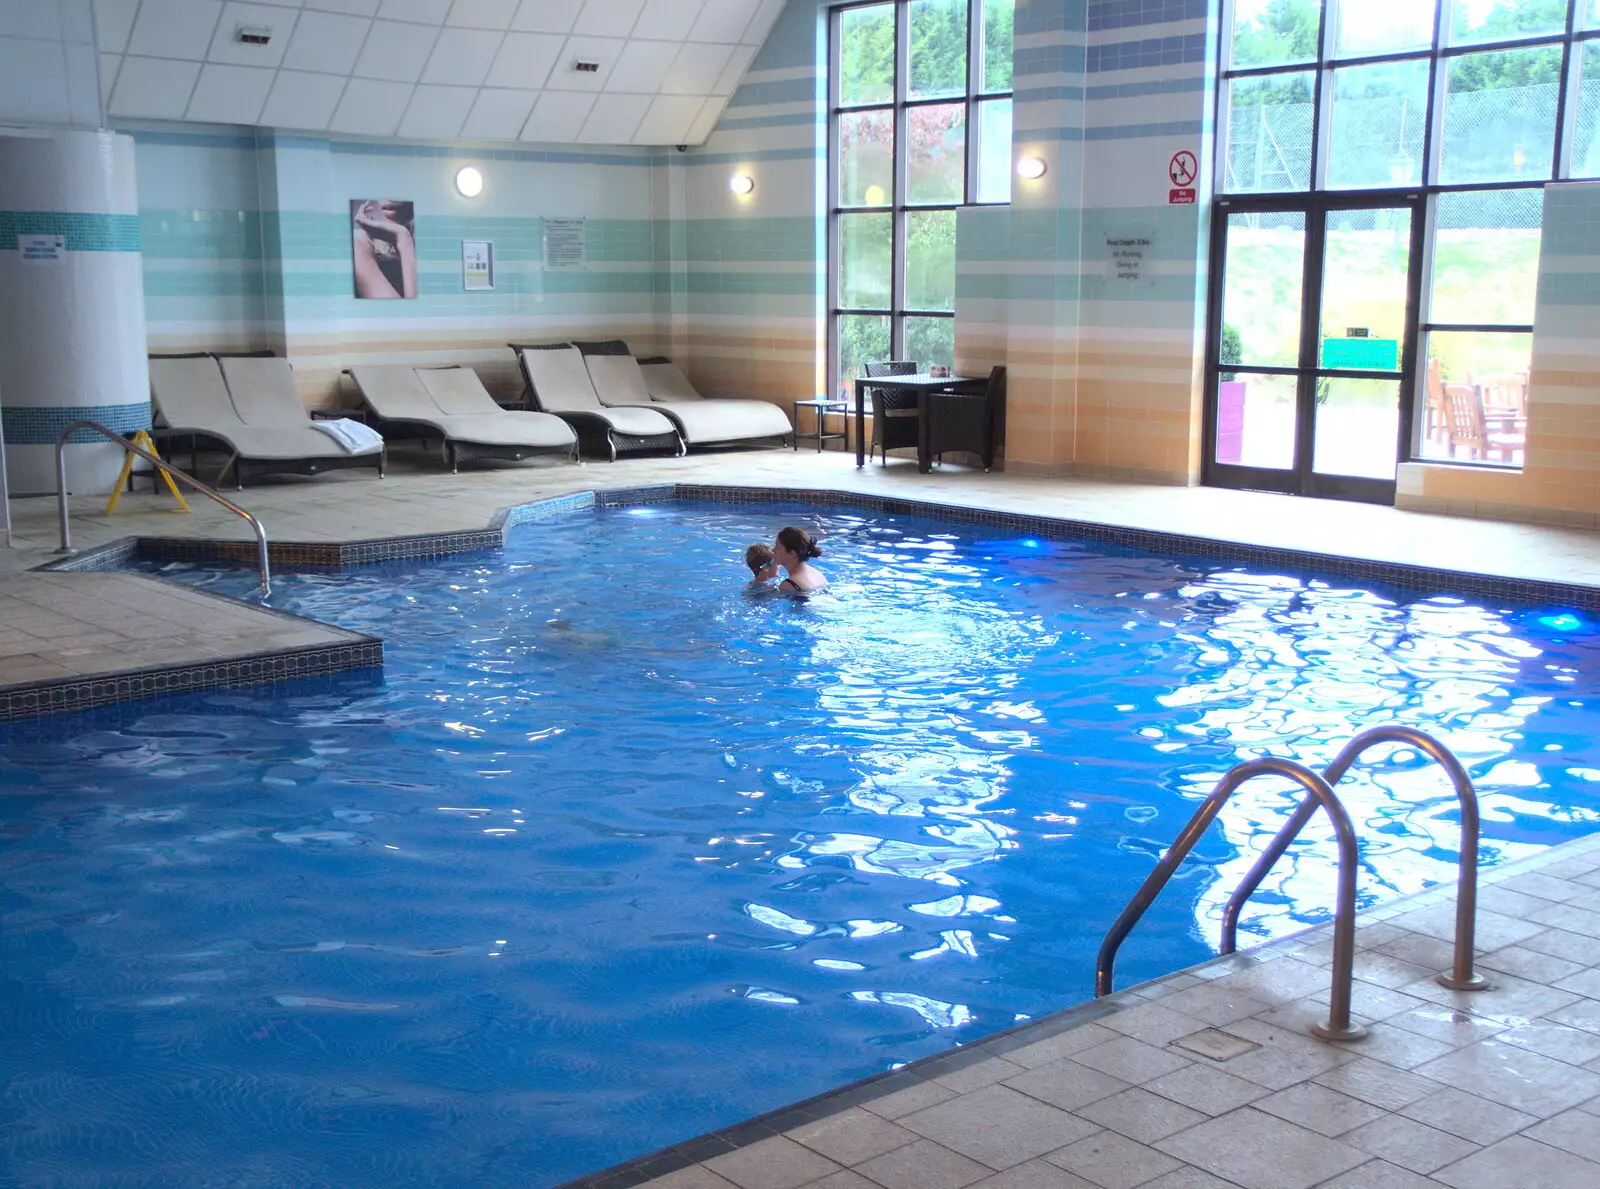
[
  {"x": 618, "y": 381},
  {"x": 399, "y": 393},
  {"x": 562, "y": 384},
  {"x": 194, "y": 398},
  {"x": 666, "y": 383}
]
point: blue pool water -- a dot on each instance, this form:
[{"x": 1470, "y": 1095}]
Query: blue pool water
[{"x": 614, "y": 853}]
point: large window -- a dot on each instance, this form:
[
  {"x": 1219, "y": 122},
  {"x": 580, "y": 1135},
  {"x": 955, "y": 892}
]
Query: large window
[
  {"x": 1472, "y": 105},
  {"x": 920, "y": 125}
]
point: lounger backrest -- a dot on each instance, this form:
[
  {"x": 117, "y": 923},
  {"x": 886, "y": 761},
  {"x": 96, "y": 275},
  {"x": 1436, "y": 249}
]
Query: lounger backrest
[
  {"x": 559, "y": 379},
  {"x": 264, "y": 392},
  {"x": 394, "y": 391},
  {"x": 191, "y": 393},
  {"x": 666, "y": 383},
  {"x": 617, "y": 380},
  {"x": 457, "y": 391}
]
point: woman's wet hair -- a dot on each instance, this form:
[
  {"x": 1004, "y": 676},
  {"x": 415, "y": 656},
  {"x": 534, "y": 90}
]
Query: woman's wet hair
[{"x": 800, "y": 542}]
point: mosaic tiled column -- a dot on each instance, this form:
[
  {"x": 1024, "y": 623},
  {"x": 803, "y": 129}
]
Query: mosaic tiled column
[{"x": 72, "y": 342}]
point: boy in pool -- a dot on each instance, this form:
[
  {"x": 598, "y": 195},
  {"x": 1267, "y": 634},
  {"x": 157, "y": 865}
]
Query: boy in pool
[{"x": 762, "y": 562}]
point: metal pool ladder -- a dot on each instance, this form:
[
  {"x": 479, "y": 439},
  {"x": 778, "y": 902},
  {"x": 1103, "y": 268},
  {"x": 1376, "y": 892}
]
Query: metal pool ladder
[
  {"x": 1319, "y": 792},
  {"x": 118, "y": 439}
]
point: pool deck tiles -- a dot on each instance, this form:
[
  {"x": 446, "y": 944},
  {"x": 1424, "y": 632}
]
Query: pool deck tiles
[{"x": 1208, "y": 1079}]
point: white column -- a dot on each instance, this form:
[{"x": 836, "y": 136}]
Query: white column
[{"x": 72, "y": 338}]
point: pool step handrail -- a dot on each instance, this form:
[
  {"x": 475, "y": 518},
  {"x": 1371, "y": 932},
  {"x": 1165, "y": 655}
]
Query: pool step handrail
[
  {"x": 1460, "y": 976},
  {"x": 154, "y": 460},
  {"x": 1338, "y": 1025}
]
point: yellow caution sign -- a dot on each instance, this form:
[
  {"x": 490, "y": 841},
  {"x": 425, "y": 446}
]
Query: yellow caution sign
[{"x": 141, "y": 438}]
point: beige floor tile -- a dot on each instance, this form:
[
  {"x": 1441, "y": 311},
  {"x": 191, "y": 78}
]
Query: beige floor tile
[
  {"x": 852, "y": 1136},
  {"x": 1276, "y": 982},
  {"x": 775, "y": 1163},
  {"x": 843, "y": 1179},
  {"x": 1187, "y": 1178},
  {"x": 1154, "y": 1023},
  {"x": 1527, "y": 964},
  {"x": 1400, "y": 1048},
  {"x": 1447, "y": 1025},
  {"x": 922, "y": 1165},
  {"x": 1284, "y": 1057},
  {"x": 1572, "y": 1045},
  {"x": 1063, "y": 1044},
  {"x": 1035, "y": 1174},
  {"x": 1325, "y": 1111},
  {"x": 1544, "y": 886},
  {"x": 1066, "y": 1084},
  {"x": 1577, "y": 1132},
  {"x": 1515, "y": 1077},
  {"x": 1210, "y": 1091},
  {"x": 1467, "y": 1116},
  {"x": 1380, "y": 1174},
  {"x": 1386, "y": 970},
  {"x": 1131, "y": 1060},
  {"x": 1520, "y": 1161},
  {"x": 1410, "y": 1144},
  {"x": 1511, "y": 1000},
  {"x": 1113, "y": 1161},
  {"x": 1141, "y": 1115},
  {"x": 1262, "y": 1152},
  {"x": 1575, "y": 947},
  {"x": 975, "y": 1077},
  {"x": 1584, "y": 1014},
  {"x": 1378, "y": 1083},
  {"x": 1216, "y": 1003},
  {"x": 696, "y": 1176},
  {"x": 997, "y": 1126},
  {"x": 1585, "y": 982},
  {"x": 903, "y": 1102}
]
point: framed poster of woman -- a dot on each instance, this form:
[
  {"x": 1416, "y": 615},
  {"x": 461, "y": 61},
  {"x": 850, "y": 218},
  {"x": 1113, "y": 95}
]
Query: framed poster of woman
[{"x": 383, "y": 247}]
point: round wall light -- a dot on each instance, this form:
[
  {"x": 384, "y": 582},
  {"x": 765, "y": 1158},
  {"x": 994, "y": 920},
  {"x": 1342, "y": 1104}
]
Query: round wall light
[
  {"x": 1031, "y": 167},
  {"x": 469, "y": 182},
  {"x": 741, "y": 183}
]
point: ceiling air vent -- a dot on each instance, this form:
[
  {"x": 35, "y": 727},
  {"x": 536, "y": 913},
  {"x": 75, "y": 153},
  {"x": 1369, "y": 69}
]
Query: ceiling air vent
[
  {"x": 253, "y": 35},
  {"x": 585, "y": 66}
]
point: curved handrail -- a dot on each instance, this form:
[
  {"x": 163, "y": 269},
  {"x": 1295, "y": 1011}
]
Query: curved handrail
[
  {"x": 113, "y": 436},
  {"x": 1338, "y": 1026},
  {"x": 1461, "y": 976}
]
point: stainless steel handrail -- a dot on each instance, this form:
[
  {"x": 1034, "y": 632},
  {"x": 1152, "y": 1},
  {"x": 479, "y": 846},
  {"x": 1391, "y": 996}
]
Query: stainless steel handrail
[
  {"x": 1338, "y": 1025},
  {"x": 112, "y": 435},
  {"x": 1460, "y": 977}
]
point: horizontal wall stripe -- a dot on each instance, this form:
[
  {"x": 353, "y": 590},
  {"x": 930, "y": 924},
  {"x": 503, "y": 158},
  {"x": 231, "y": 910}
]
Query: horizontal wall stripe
[
  {"x": 1165, "y": 86},
  {"x": 1154, "y": 51},
  {"x": 815, "y": 116},
  {"x": 808, "y": 152},
  {"x": 195, "y": 140},
  {"x": 1139, "y": 131},
  {"x": 83, "y": 232},
  {"x": 795, "y": 90},
  {"x": 1125, "y": 14},
  {"x": 40, "y": 425}
]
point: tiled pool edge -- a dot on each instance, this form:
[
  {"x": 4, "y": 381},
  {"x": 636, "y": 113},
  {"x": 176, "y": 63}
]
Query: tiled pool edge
[{"x": 697, "y": 1150}]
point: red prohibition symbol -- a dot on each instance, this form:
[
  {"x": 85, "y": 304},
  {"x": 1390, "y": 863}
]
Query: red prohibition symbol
[{"x": 1183, "y": 168}]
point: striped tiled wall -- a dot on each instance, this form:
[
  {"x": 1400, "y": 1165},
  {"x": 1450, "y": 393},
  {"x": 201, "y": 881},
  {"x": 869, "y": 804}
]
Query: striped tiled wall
[{"x": 1560, "y": 480}]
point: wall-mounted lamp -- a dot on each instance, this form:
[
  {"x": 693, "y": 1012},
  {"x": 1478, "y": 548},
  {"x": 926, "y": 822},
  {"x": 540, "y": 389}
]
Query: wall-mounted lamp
[
  {"x": 1031, "y": 167},
  {"x": 469, "y": 182},
  {"x": 741, "y": 183}
]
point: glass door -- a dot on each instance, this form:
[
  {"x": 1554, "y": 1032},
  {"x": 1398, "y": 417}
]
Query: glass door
[{"x": 1313, "y": 315}]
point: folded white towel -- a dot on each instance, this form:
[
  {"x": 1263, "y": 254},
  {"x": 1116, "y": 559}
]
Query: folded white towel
[{"x": 352, "y": 435}]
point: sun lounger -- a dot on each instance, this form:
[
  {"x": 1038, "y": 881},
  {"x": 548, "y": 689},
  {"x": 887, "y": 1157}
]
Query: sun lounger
[
  {"x": 451, "y": 404},
  {"x": 258, "y": 418},
  {"x": 620, "y": 382},
  {"x": 559, "y": 383}
]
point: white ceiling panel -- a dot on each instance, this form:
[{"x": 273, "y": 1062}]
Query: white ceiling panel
[
  {"x": 642, "y": 66},
  {"x": 396, "y": 52},
  {"x": 668, "y": 20},
  {"x": 558, "y": 116},
  {"x": 705, "y": 121},
  {"x": 300, "y": 100},
  {"x": 738, "y": 62},
  {"x": 326, "y": 43},
  {"x": 226, "y": 48},
  {"x": 109, "y": 65},
  {"x": 723, "y": 20},
  {"x": 174, "y": 28},
  {"x": 113, "y": 21},
  {"x": 155, "y": 87},
  {"x": 354, "y": 8},
  {"x": 30, "y": 18},
  {"x": 669, "y": 119},
  {"x": 614, "y": 118},
  {"x": 427, "y": 12},
  {"x": 604, "y": 50},
  {"x": 462, "y": 57},
  {"x": 83, "y": 85},
  {"x": 547, "y": 16},
  {"x": 525, "y": 60},
  {"x": 499, "y": 115},
  {"x": 437, "y": 113},
  {"x": 761, "y": 24},
  {"x": 482, "y": 14},
  {"x": 231, "y": 94},
  {"x": 36, "y": 90},
  {"x": 696, "y": 69},
  {"x": 608, "y": 16},
  {"x": 371, "y": 107}
]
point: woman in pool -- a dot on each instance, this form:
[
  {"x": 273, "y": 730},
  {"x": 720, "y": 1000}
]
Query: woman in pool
[{"x": 793, "y": 550}]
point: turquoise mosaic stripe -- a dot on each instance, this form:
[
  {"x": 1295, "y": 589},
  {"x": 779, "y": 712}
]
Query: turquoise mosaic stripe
[
  {"x": 35, "y": 425},
  {"x": 84, "y": 232}
]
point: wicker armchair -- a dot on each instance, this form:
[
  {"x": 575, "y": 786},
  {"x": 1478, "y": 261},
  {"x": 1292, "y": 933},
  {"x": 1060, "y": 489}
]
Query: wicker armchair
[
  {"x": 894, "y": 414},
  {"x": 969, "y": 422}
]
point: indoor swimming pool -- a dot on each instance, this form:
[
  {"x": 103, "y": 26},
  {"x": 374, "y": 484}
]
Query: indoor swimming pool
[{"x": 617, "y": 850}]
